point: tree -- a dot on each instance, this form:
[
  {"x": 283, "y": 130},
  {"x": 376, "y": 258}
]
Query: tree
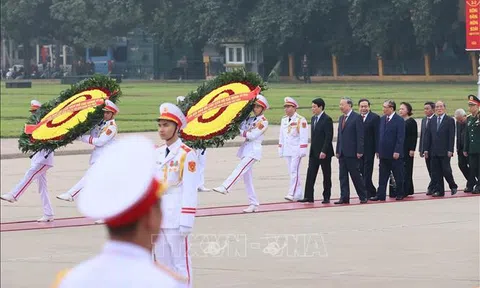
[
  {"x": 26, "y": 21},
  {"x": 94, "y": 23}
]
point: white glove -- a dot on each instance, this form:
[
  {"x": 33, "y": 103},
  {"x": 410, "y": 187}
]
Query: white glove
[{"x": 185, "y": 231}]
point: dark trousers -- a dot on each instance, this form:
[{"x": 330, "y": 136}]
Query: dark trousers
[
  {"x": 366, "y": 167},
  {"x": 431, "y": 186},
  {"x": 386, "y": 167},
  {"x": 313, "y": 165},
  {"x": 351, "y": 165},
  {"x": 465, "y": 168},
  {"x": 474, "y": 162},
  {"x": 441, "y": 169},
  {"x": 408, "y": 176}
]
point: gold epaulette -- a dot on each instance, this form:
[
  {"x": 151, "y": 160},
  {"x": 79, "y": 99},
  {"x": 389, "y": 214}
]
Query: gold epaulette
[
  {"x": 186, "y": 148},
  {"x": 172, "y": 274},
  {"x": 60, "y": 276}
]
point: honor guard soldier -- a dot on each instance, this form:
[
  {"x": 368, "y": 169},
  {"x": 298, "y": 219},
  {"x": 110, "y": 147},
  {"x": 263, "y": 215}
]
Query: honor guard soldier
[
  {"x": 292, "y": 145},
  {"x": 40, "y": 163},
  {"x": 252, "y": 129},
  {"x": 177, "y": 167},
  {"x": 202, "y": 160},
  {"x": 100, "y": 137},
  {"x": 123, "y": 188},
  {"x": 472, "y": 142}
]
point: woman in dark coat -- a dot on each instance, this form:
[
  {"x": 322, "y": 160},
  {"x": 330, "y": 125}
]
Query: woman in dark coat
[{"x": 409, "y": 146}]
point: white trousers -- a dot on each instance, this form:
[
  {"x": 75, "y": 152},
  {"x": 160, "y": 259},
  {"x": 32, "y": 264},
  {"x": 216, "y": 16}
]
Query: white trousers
[
  {"x": 171, "y": 249},
  {"x": 295, "y": 189},
  {"x": 244, "y": 168},
  {"x": 202, "y": 159},
  {"x": 36, "y": 172},
  {"x": 76, "y": 188}
]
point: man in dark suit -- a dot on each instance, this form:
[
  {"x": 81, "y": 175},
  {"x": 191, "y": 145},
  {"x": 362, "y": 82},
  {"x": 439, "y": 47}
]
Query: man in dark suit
[
  {"x": 439, "y": 142},
  {"x": 429, "y": 111},
  {"x": 349, "y": 151},
  {"x": 461, "y": 128},
  {"x": 321, "y": 152},
  {"x": 371, "y": 124},
  {"x": 390, "y": 150}
]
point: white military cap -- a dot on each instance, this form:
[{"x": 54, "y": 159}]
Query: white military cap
[
  {"x": 262, "y": 101},
  {"x": 110, "y": 106},
  {"x": 34, "y": 105},
  {"x": 171, "y": 112},
  {"x": 180, "y": 99},
  {"x": 289, "y": 101},
  {"x": 122, "y": 187}
]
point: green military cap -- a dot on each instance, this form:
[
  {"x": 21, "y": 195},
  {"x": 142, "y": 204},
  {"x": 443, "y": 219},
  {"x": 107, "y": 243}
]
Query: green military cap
[{"x": 472, "y": 99}]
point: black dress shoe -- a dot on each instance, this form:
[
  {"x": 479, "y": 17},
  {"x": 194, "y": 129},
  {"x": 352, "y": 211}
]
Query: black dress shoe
[
  {"x": 376, "y": 199},
  {"x": 305, "y": 200},
  {"x": 454, "y": 191},
  {"x": 438, "y": 194},
  {"x": 430, "y": 192},
  {"x": 468, "y": 190},
  {"x": 325, "y": 201},
  {"x": 399, "y": 198},
  {"x": 364, "y": 201},
  {"x": 341, "y": 202}
]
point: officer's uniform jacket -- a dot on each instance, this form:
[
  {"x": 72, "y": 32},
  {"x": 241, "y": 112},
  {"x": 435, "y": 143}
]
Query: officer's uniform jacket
[
  {"x": 120, "y": 265},
  {"x": 472, "y": 135},
  {"x": 293, "y": 140},
  {"x": 101, "y": 137},
  {"x": 178, "y": 170},
  {"x": 252, "y": 129}
]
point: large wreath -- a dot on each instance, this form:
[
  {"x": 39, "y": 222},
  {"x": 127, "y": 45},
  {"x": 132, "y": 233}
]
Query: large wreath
[
  {"x": 62, "y": 120},
  {"x": 213, "y": 128}
]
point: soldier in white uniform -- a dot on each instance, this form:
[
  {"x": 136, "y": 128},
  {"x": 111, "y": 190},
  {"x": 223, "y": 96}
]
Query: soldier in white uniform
[
  {"x": 202, "y": 160},
  {"x": 40, "y": 163},
  {"x": 122, "y": 188},
  {"x": 252, "y": 129},
  {"x": 101, "y": 136},
  {"x": 177, "y": 167},
  {"x": 292, "y": 145}
]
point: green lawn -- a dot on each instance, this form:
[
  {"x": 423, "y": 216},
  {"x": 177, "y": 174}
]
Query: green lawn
[{"x": 140, "y": 101}]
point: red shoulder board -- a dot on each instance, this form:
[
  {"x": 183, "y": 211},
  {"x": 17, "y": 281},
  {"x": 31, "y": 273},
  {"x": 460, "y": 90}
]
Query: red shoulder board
[
  {"x": 264, "y": 119},
  {"x": 186, "y": 148}
]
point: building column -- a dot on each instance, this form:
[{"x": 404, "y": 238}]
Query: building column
[{"x": 290, "y": 65}]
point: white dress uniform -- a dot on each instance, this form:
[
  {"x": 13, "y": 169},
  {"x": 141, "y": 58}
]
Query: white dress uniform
[
  {"x": 40, "y": 163},
  {"x": 122, "y": 188},
  {"x": 292, "y": 145},
  {"x": 201, "y": 163},
  {"x": 252, "y": 129},
  {"x": 177, "y": 167},
  {"x": 100, "y": 137}
]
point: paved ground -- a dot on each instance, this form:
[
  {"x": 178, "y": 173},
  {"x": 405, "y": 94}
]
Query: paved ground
[{"x": 417, "y": 244}]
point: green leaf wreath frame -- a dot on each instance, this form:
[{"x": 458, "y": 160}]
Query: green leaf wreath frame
[
  {"x": 231, "y": 130},
  {"x": 27, "y": 144}
]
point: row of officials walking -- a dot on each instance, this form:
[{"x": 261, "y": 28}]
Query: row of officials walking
[{"x": 392, "y": 138}]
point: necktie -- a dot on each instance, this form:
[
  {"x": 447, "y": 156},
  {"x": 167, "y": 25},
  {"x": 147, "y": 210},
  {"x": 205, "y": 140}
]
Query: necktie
[
  {"x": 289, "y": 119},
  {"x": 363, "y": 117},
  {"x": 438, "y": 122},
  {"x": 426, "y": 124},
  {"x": 343, "y": 122},
  {"x": 315, "y": 122},
  {"x": 168, "y": 151},
  {"x": 388, "y": 119}
]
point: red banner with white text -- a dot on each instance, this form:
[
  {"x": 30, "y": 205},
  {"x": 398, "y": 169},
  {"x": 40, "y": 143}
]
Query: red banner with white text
[{"x": 472, "y": 18}]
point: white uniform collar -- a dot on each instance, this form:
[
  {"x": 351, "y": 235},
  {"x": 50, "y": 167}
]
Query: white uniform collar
[
  {"x": 175, "y": 145},
  {"x": 126, "y": 249}
]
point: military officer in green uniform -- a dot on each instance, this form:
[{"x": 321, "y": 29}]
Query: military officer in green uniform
[{"x": 472, "y": 142}]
